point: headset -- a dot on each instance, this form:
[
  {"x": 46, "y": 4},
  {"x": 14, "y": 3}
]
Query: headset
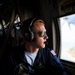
[{"x": 26, "y": 29}]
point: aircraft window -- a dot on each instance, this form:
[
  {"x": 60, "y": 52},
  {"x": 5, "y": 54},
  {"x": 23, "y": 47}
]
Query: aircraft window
[{"x": 67, "y": 35}]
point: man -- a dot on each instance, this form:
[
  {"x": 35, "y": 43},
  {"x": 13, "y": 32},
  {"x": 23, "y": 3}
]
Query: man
[{"x": 33, "y": 58}]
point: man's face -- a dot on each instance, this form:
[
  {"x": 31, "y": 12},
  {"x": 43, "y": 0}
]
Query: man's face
[{"x": 40, "y": 35}]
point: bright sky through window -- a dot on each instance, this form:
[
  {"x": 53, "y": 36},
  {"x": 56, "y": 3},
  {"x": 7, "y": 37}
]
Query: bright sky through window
[{"x": 67, "y": 27}]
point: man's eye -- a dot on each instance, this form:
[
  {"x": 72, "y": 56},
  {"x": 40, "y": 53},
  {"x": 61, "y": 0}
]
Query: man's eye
[{"x": 42, "y": 34}]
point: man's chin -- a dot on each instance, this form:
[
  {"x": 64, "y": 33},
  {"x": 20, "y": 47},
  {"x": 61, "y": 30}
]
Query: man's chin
[{"x": 43, "y": 46}]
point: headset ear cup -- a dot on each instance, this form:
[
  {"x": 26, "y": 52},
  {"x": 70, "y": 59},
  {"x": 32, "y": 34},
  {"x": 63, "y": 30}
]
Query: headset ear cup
[
  {"x": 29, "y": 35},
  {"x": 32, "y": 36},
  {"x": 26, "y": 29}
]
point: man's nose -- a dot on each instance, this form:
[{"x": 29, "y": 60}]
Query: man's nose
[{"x": 46, "y": 36}]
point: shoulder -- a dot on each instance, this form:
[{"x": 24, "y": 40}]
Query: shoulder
[
  {"x": 46, "y": 49},
  {"x": 49, "y": 51}
]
